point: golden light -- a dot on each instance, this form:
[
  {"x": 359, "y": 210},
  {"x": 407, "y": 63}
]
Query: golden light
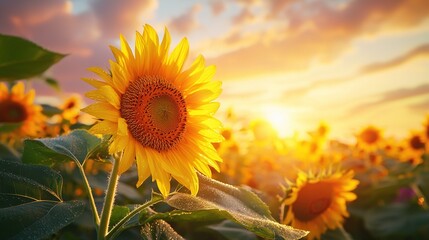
[{"x": 280, "y": 119}]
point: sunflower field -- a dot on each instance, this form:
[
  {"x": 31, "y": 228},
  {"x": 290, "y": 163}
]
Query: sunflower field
[{"x": 152, "y": 158}]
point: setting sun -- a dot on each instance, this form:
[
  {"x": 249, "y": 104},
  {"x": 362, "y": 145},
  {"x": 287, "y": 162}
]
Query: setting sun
[{"x": 280, "y": 118}]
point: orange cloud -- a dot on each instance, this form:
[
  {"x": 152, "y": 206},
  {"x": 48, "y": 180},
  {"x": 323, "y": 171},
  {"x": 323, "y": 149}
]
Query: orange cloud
[
  {"x": 316, "y": 31},
  {"x": 116, "y": 17},
  {"x": 372, "y": 68},
  {"x": 186, "y": 22},
  {"x": 217, "y": 7},
  {"x": 392, "y": 96}
]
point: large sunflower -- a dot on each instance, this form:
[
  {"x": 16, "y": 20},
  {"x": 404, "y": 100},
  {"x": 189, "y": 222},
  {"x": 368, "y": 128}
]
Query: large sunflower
[
  {"x": 156, "y": 113},
  {"x": 17, "y": 107},
  {"x": 318, "y": 203}
]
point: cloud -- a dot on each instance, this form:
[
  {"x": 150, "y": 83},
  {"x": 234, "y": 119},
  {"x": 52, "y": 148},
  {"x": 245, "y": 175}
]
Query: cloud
[
  {"x": 217, "y": 7},
  {"x": 392, "y": 96},
  {"x": 422, "y": 50},
  {"x": 115, "y": 17},
  {"x": 372, "y": 68},
  {"x": 421, "y": 106},
  {"x": 316, "y": 32},
  {"x": 187, "y": 21},
  {"x": 244, "y": 17}
]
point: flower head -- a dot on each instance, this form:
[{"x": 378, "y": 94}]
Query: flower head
[
  {"x": 370, "y": 138},
  {"x": 17, "y": 107},
  {"x": 157, "y": 114},
  {"x": 318, "y": 203}
]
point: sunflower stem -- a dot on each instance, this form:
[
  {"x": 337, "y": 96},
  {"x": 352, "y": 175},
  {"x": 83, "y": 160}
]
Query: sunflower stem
[
  {"x": 90, "y": 196},
  {"x": 116, "y": 229},
  {"x": 109, "y": 199},
  {"x": 345, "y": 234}
]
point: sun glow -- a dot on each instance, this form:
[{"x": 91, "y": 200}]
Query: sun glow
[{"x": 280, "y": 119}]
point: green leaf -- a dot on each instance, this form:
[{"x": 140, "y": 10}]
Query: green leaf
[
  {"x": 336, "y": 234},
  {"x": 231, "y": 230},
  {"x": 237, "y": 204},
  {"x": 118, "y": 212},
  {"x": 76, "y": 146},
  {"x": 52, "y": 83},
  {"x": 37, "y": 182},
  {"x": 159, "y": 230},
  {"x": 9, "y": 127},
  {"x": 399, "y": 221},
  {"x": 20, "y": 58},
  {"x": 50, "y": 111},
  {"x": 38, "y": 219},
  {"x": 8, "y": 153},
  {"x": 422, "y": 182}
]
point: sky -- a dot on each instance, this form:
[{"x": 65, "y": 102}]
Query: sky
[{"x": 350, "y": 63}]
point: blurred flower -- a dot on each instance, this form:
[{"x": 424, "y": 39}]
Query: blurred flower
[
  {"x": 156, "y": 113},
  {"x": 316, "y": 203},
  {"x": 414, "y": 149},
  {"x": 71, "y": 108},
  {"x": 17, "y": 107},
  {"x": 369, "y": 138}
]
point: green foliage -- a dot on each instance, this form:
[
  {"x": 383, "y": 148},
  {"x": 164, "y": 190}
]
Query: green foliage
[
  {"x": 76, "y": 146},
  {"x": 159, "y": 230},
  {"x": 21, "y": 59},
  {"x": 9, "y": 127},
  {"x": 31, "y": 205},
  {"x": 231, "y": 230},
  {"x": 36, "y": 182},
  {"x": 216, "y": 200},
  {"x": 397, "y": 221},
  {"x": 8, "y": 153},
  {"x": 50, "y": 111},
  {"x": 52, "y": 83},
  {"x": 118, "y": 213}
]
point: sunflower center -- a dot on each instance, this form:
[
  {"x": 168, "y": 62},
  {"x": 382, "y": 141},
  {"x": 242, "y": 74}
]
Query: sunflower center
[
  {"x": 313, "y": 199},
  {"x": 12, "y": 112},
  {"x": 370, "y": 136},
  {"x": 417, "y": 143},
  {"x": 155, "y": 112}
]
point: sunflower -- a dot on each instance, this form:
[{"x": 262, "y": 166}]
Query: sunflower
[
  {"x": 17, "y": 107},
  {"x": 414, "y": 148},
  {"x": 316, "y": 203},
  {"x": 370, "y": 138},
  {"x": 71, "y": 108},
  {"x": 157, "y": 114}
]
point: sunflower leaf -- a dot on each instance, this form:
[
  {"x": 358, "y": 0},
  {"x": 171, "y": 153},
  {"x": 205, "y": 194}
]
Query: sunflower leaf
[
  {"x": 216, "y": 200},
  {"x": 36, "y": 182},
  {"x": 398, "y": 221},
  {"x": 159, "y": 230},
  {"x": 20, "y": 58},
  {"x": 77, "y": 146},
  {"x": 38, "y": 219},
  {"x": 50, "y": 111},
  {"x": 8, "y": 153}
]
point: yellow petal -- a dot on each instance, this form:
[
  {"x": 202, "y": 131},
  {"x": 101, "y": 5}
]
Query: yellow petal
[
  {"x": 127, "y": 158},
  {"x": 102, "y": 110},
  {"x": 118, "y": 144},
  {"x": 18, "y": 89},
  {"x": 142, "y": 165},
  {"x": 102, "y": 74},
  {"x": 125, "y": 48},
  {"x": 122, "y": 127},
  {"x": 104, "y": 127},
  {"x": 94, "y": 83},
  {"x": 178, "y": 57}
]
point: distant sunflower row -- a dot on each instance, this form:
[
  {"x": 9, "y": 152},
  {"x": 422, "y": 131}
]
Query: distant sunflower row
[
  {"x": 21, "y": 117},
  {"x": 309, "y": 181}
]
